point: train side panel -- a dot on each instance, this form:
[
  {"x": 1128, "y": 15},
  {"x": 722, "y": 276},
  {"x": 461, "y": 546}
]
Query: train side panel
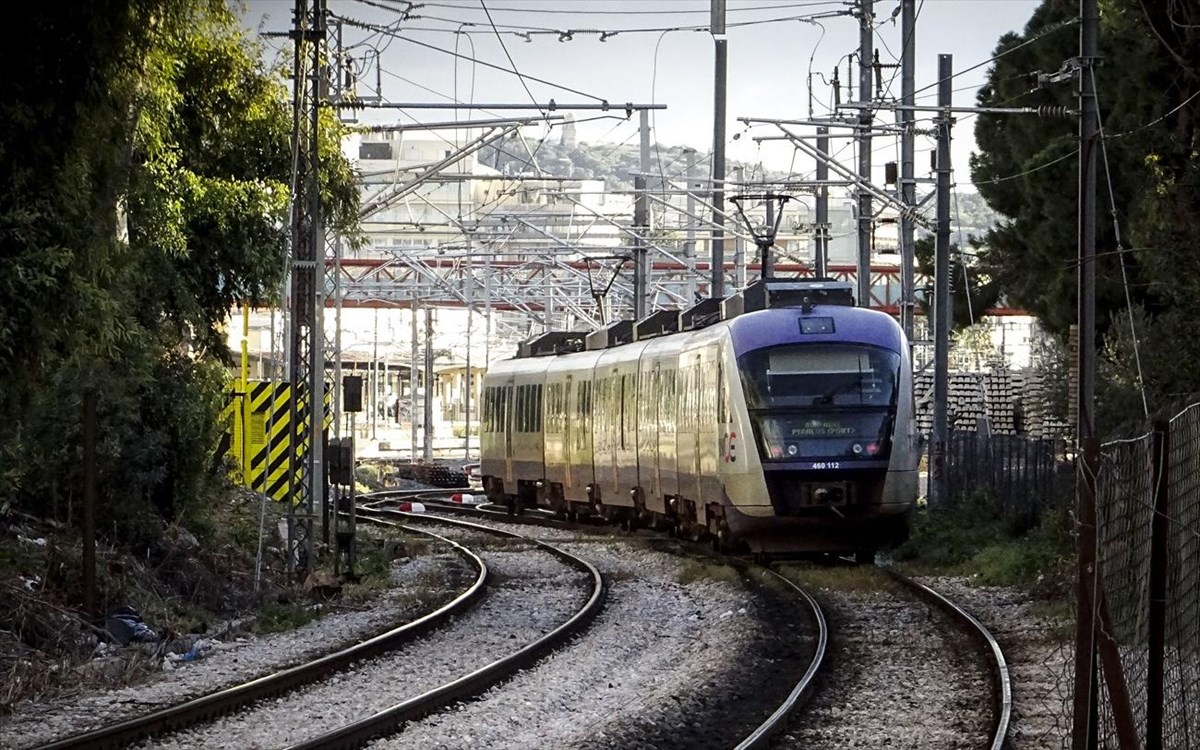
[
  {"x": 658, "y": 475},
  {"x": 569, "y": 426},
  {"x": 615, "y": 424}
]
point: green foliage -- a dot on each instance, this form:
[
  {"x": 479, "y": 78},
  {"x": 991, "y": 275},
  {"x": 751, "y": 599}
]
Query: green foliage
[
  {"x": 148, "y": 178},
  {"x": 1027, "y": 171},
  {"x": 972, "y": 289},
  {"x": 277, "y": 617},
  {"x": 974, "y": 540}
]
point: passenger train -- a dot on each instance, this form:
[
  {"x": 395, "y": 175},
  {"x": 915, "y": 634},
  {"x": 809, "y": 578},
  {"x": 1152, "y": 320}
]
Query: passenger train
[{"x": 779, "y": 421}]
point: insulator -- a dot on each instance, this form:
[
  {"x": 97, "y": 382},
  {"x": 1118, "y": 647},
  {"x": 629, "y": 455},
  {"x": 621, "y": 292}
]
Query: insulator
[{"x": 1053, "y": 110}]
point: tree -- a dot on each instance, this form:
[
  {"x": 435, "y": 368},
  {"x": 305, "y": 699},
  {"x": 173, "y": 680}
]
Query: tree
[
  {"x": 148, "y": 151},
  {"x": 972, "y": 290},
  {"x": 1026, "y": 171}
]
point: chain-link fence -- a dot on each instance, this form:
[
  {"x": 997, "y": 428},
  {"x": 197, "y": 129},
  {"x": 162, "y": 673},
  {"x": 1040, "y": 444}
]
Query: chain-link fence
[
  {"x": 1144, "y": 601},
  {"x": 1019, "y": 474}
]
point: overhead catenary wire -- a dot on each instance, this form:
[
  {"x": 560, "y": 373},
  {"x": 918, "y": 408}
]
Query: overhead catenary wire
[
  {"x": 434, "y": 47},
  {"x": 1112, "y": 203}
]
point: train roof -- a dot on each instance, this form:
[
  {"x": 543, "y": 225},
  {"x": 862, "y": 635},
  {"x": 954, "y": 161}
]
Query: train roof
[{"x": 819, "y": 323}]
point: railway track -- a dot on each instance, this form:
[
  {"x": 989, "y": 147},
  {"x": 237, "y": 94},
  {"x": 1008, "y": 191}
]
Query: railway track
[
  {"x": 761, "y": 730},
  {"x": 980, "y": 640},
  {"x": 909, "y": 667},
  {"x": 182, "y": 720}
]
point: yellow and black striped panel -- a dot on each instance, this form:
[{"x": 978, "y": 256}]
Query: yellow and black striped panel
[{"x": 269, "y": 434}]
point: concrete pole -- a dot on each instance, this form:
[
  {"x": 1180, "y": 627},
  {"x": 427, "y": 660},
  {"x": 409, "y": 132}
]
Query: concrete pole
[
  {"x": 718, "y": 163},
  {"x": 908, "y": 188},
  {"x": 428, "y": 451},
  {"x": 821, "y": 243},
  {"x": 941, "y": 428},
  {"x": 689, "y": 245},
  {"x": 414, "y": 378},
  {"x": 865, "y": 53},
  {"x": 640, "y": 227}
]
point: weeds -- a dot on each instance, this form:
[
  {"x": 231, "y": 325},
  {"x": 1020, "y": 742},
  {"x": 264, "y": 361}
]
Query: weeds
[
  {"x": 973, "y": 539},
  {"x": 692, "y": 571}
]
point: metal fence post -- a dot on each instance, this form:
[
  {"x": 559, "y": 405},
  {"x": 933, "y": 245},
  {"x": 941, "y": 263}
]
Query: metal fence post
[
  {"x": 1160, "y": 474},
  {"x": 1084, "y": 725}
]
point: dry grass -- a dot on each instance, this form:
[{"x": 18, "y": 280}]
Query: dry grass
[
  {"x": 836, "y": 577},
  {"x": 693, "y": 570}
]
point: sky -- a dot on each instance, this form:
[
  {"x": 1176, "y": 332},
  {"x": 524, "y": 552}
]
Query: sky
[{"x": 659, "y": 51}]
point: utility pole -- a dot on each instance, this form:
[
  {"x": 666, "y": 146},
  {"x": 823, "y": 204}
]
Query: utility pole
[
  {"x": 307, "y": 367},
  {"x": 413, "y": 378},
  {"x": 1086, "y": 688},
  {"x": 1088, "y": 131},
  {"x": 865, "y": 53},
  {"x": 908, "y": 187},
  {"x": 821, "y": 234},
  {"x": 469, "y": 289},
  {"x": 428, "y": 452},
  {"x": 717, "y": 25},
  {"x": 765, "y": 262},
  {"x": 641, "y": 221},
  {"x": 941, "y": 297},
  {"x": 689, "y": 244},
  {"x": 739, "y": 244}
]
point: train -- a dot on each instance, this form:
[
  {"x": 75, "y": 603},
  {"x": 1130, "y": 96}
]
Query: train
[{"x": 777, "y": 422}]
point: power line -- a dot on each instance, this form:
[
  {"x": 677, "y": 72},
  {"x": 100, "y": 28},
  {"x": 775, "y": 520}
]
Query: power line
[
  {"x": 396, "y": 35},
  {"x": 1112, "y": 202},
  {"x": 600, "y": 12},
  {"x": 1057, "y": 27},
  {"x": 504, "y": 47}
]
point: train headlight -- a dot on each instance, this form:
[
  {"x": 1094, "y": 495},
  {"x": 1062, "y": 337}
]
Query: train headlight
[
  {"x": 857, "y": 448},
  {"x": 791, "y": 449},
  {"x": 872, "y": 449}
]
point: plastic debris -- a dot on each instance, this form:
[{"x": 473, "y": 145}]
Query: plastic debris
[
  {"x": 40, "y": 541},
  {"x": 198, "y": 650},
  {"x": 125, "y": 624}
]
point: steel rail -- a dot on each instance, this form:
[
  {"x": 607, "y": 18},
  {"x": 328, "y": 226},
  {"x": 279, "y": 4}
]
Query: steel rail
[
  {"x": 207, "y": 707},
  {"x": 1001, "y": 683},
  {"x": 762, "y": 735},
  {"x": 468, "y": 686}
]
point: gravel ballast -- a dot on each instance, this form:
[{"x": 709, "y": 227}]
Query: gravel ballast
[
  {"x": 529, "y": 594},
  {"x": 677, "y": 659},
  {"x": 421, "y": 585},
  {"x": 899, "y": 675},
  {"x": 1039, "y": 659}
]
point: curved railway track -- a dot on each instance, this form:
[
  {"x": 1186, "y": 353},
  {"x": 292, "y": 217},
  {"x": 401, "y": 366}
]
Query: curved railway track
[
  {"x": 990, "y": 647},
  {"x": 199, "y": 711},
  {"x": 761, "y": 735},
  {"x": 964, "y": 621},
  {"x": 388, "y": 720}
]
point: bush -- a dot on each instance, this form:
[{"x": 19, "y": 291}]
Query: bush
[{"x": 973, "y": 539}]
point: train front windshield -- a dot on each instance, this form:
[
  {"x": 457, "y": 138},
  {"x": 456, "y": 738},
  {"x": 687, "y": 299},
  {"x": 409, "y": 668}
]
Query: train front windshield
[{"x": 821, "y": 403}]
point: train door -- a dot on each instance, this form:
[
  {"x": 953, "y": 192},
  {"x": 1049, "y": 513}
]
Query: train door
[
  {"x": 508, "y": 414},
  {"x": 695, "y": 419},
  {"x": 649, "y": 422},
  {"x": 565, "y": 411}
]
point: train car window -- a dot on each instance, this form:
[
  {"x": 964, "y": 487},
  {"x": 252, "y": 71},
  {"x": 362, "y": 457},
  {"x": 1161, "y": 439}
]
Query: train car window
[
  {"x": 522, "y": 408},
  {"x": 821, "y": 375},
  {"x": 722, "y": 416},
  {"x": 537, "y": 408},
  {"x": 821, "y": 401}
]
